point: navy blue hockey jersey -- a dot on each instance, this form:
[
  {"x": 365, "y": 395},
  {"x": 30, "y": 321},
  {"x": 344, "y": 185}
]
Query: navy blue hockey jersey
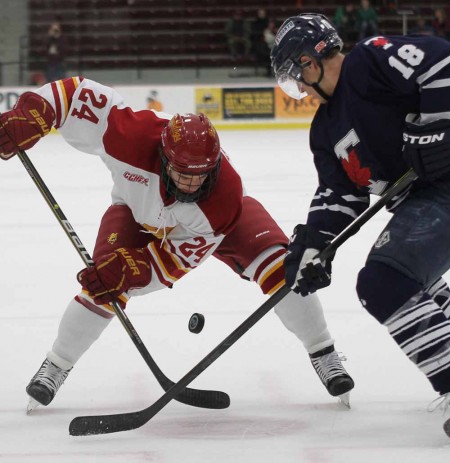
[{"x": 357, "y": 137}]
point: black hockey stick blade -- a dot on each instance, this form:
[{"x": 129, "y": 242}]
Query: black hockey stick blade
[
  {"x": 193, "y": 397},
  {"x": 106, "y": 424},
  {"x": 201, "y": 398},
  {"x": 354, "y": 227}
]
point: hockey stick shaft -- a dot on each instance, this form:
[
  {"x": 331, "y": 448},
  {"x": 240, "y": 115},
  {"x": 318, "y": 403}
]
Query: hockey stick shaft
[
  {"x": 355, "y": 226},
  {"x": 194, "y": 397},
  {"x": 83, "y": 426}
]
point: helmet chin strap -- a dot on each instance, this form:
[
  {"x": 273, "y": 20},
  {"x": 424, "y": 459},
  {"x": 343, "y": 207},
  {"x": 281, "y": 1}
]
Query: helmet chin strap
[
  {"x": 317, "y": 88},
  {"x": 316, "y": 85}
]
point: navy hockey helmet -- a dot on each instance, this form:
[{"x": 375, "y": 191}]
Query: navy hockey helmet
[
  {"x": 190, "y": 147},
  {"x": 309, "y": 34}
]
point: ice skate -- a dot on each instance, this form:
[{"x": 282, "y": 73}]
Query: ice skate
[
  {"x": 333, "y": 375},
  {"x": 45, "y": 384},
  {"x": 442, "y": 403}
]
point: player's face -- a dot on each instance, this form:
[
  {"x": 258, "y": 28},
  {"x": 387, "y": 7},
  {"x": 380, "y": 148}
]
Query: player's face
[
  {"x": 311, "y": 74},
  {"x": 186, "y": 183},
  {"x": 296, "y": 78}
]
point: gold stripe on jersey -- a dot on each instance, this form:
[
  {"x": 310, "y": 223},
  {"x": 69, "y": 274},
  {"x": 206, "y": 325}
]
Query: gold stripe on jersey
[
  {"x": 158, "y": 261},
  {"x": 176, "y": 260},
  {"x": 274, "y": 266},
  {"x": 276, "y": 287},
  {"x": 75, "y": 81},
  {"x": 64, "y": 96},
  {"x": 158, "y": 258},
  {"x": 159, "y": 233},
  {"x": 272, "y": 277}
]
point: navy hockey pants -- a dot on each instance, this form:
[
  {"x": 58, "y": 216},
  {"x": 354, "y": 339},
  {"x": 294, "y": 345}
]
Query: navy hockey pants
[
  {"x": 400, "y": 284},
  {"x": 416, "y": 241}
]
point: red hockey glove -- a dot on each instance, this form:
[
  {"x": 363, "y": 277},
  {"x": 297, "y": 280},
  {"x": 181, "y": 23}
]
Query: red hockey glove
[
  {"x": 21, "y": 128},
  {"x": 116, "y": 273}
]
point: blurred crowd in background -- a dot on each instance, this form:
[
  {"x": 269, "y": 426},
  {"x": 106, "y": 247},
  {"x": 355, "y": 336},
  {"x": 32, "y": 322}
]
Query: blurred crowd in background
[
  {"x": 354, "y": 21},
  {"x": 247, "y": 35}
]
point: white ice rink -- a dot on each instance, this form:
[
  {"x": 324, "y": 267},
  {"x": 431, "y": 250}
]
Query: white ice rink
[{"x": 279, "y": 411}]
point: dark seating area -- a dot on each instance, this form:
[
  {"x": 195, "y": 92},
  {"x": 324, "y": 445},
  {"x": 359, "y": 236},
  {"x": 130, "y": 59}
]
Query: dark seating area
[{"x": 107, "y": 34}]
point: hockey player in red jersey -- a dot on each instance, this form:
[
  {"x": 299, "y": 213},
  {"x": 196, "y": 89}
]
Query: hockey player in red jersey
[{"x": 174, "y": 182}]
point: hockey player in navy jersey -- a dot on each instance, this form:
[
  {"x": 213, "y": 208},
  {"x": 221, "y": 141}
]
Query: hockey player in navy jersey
[
  {"x": 176, "y": 200},
  {"x": 385, "y": 107}
]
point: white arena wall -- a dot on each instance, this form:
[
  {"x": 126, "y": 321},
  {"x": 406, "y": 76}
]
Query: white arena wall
[{"x": 229, "y": 106}]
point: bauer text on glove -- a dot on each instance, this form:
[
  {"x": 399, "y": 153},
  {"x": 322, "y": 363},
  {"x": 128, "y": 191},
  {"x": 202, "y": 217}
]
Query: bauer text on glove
[
  {"x": 22, "y": 127},
  {"x": 116, "y": 273}
]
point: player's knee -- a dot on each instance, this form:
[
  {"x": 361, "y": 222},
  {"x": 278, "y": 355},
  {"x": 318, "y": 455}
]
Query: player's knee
[{"x": 382, "y": 289}]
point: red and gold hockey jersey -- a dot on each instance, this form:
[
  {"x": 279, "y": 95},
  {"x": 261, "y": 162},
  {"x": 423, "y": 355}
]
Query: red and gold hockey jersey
[{"x": 94, "y": 119}]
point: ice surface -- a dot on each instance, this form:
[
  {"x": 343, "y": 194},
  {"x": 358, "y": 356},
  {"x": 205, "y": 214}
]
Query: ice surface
[{"x": 279, "y": 410}]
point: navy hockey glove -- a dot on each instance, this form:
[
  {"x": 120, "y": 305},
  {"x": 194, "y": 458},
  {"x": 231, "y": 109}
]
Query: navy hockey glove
[
  {"x": 427, "y": 149},
  {"x": 305, "y": 273}
]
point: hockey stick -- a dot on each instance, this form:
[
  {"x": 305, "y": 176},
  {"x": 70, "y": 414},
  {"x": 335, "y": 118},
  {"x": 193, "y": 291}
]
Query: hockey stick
[
  {"x": 105, "y": 424},
  {"x": 193, "y": 397},
  {"x": 86, "y": 425}
]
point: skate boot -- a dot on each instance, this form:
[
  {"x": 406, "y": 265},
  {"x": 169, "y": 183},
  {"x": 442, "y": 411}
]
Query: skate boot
[
  {"x": 45, "y": 384},
  {"x": 328, "y": 366}
]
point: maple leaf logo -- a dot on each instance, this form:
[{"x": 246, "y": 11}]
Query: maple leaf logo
[
  {"x": 380, "y": 42},
  {"x": 356, "y": 173}
]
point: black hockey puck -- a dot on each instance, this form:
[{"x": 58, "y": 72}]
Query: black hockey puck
[{"x": 196, "y": 323}]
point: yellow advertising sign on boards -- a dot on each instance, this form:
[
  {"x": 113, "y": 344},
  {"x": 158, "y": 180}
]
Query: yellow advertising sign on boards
[
  {"x": 244, "y": 103},
  {"x": 209, "y": 102},
  {"x": 286, "y": 107}
]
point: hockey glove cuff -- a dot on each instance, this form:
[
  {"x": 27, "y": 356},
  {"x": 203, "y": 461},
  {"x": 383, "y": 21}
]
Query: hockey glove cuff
[
  {"x": 116, "y": 273},
  {"x": 22, "y": 127},
  {"x": 427, "y": 149},
  {"x": 305, "y": 273}
]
